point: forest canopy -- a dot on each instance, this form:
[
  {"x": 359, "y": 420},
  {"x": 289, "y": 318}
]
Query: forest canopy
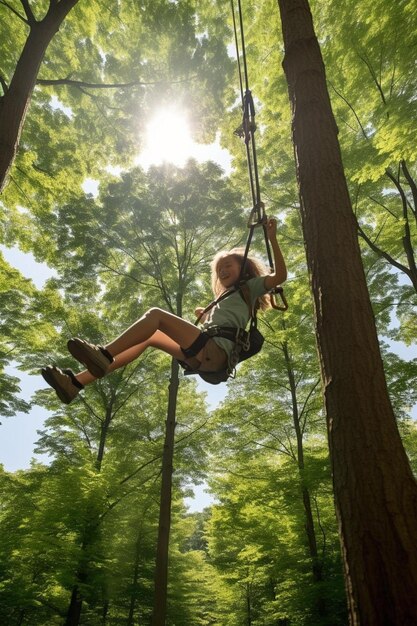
[{"x": 80, "y": 86}]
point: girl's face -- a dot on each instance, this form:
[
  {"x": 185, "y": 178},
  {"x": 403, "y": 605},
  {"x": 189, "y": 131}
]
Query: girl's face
[{"x": 228, "y": 271}]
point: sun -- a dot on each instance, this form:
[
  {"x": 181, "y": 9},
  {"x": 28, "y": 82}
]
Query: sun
[{"x": 168, "y": 139}]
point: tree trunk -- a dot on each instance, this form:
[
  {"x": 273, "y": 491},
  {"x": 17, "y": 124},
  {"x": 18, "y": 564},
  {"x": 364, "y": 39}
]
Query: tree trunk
[
  {"x": 375, "y": 492},
  {"x": 248, "y": 606},
  {"x": 76, "y": 602},
  {"x": 130, "y": 618},
  {"x": 161, "y": 566},
  {"x": 103, "y": 434},
  {"x": 74, "y": 609},
  {"x": 316, "y": 564},
  {"x": 309, "y": 522},
  {"x": 14, "y": 103}
]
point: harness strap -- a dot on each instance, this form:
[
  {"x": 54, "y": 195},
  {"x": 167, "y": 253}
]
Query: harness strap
[
  {"x": 236, "y": 335},
  {"x": 196, "y": 346}
]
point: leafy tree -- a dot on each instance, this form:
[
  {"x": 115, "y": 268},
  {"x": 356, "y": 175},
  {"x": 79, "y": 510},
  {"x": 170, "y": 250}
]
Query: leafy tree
[
  {"x": 161, "y": 261},
  {"x": 15, "y": 298},
  {"x": 337, "y": 280},
  {"x": 371, "y": 84},
  {"x": 256, "y": 543},
  {"x": 16, "y": 95}
]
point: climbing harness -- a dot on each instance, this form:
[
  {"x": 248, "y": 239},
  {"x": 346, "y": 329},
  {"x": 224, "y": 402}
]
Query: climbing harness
[
  {"x": 246, "y": 131},
  {"x": 246, "y": 343}
]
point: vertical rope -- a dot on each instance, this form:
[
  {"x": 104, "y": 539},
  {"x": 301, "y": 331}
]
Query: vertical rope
[
  {"x": 257, "y": 216},
  {"x": 237, "y": 51}
]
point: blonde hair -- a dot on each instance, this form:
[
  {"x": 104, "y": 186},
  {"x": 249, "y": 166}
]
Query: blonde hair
[{"x": 253, "y": 267}]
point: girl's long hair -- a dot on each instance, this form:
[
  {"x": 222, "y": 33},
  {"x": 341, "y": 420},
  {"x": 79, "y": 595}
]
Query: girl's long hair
[{"x": 253, "y": 267}]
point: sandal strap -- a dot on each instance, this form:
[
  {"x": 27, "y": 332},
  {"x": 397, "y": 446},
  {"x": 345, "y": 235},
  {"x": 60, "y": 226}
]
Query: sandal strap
[
  {"x": 106, "y": 353},
  {"x": 74, "y": 381}
]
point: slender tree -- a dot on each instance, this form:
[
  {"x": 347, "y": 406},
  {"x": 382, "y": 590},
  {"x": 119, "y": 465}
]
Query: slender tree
[
  {"x": 162, "y": 550},
  {"x": 15, "y": 100},
  {"x": 375, "y": 491}
]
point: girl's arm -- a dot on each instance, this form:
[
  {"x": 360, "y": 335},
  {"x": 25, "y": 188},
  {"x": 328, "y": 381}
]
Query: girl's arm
[{"x": 280, "y": 273}]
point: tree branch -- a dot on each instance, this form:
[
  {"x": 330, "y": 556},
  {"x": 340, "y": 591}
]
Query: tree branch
[
  {"x": 383, "y": 206},
  {"x": 351, "y": 108},
  {"x": 406, "y": 239},
  {"x": 412, "y": 185},
  {"x": 83, "y": 84},
  {"x": 382, "y": 253},
  {"x": 80, "y": 84},
  {"x": 141, "y": 467},
  {"x": 7, "y": 5},
  {"x": 306, "y": 401},
  {"x": 374, "y": 76},
  {"x": 28, "y": 12}
]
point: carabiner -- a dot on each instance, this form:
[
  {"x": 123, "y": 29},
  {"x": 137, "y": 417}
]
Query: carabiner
[
  {"x": 274, "y": 305},
  {"x": 261, "y": 218}
]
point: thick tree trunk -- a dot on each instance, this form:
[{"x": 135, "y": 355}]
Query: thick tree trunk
[
  {"x": 161, "y": 566},
  {"x": 14, "y": 103},
  {"x": 375, "y": 492}
]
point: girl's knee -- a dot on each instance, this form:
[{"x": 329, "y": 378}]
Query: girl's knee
[{"x": 154, "y": 312}]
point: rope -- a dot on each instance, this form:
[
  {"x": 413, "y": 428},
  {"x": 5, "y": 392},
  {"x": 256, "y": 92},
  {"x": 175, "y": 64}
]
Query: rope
[{"x": 246, "y": 131}]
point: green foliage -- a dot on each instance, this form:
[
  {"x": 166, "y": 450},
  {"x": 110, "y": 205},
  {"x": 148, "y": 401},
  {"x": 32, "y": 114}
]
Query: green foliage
[
  {"x": 15, "y": 301},
  {"x": 89, "y": 519},
  {"x": 255, "y": 540}
]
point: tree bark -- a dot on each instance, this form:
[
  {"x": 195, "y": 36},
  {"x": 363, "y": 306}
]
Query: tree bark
[
  {"x": 375, "y": 491},
  {"x": 161, "y": 565},
  {"x": 15, "y": 102}
]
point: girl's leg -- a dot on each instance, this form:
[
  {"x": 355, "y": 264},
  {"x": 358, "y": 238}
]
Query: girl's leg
[
  {"x": 158, "y": 340},
  {"x": 156, "y": 328},
  {"x": 183, "y": 333}
]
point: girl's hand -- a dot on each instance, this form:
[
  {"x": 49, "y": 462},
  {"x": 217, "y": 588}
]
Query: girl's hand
[
  {"x": 198, "y": 311},
  {"x": 271, "y": 228},
  {"x": 280, "y": 273}
]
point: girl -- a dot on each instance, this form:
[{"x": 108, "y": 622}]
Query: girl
[{"x": 167, "y": 332}]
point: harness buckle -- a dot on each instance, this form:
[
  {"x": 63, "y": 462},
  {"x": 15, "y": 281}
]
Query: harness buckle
[{"x": 243, "y": 339}]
